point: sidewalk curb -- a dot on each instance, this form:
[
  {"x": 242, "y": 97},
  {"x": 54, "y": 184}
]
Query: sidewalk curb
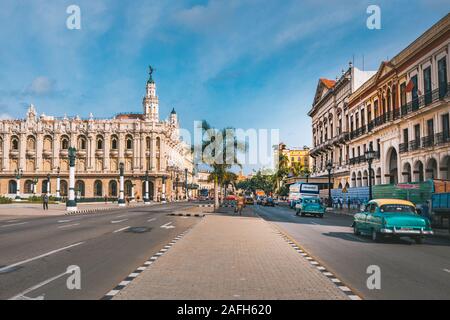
[
  {"x": 206, "y": 206},
  {"x": 95, "y": 210},
  {"x": 347, "y": 290},
  {"x": 199, "y": 215},
  {"x": 123, "y": 284}
]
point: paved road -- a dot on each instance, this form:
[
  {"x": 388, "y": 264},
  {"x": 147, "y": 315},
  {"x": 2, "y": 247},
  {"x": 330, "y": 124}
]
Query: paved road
[
  {"x": 36, "y": 252},
  {"x": 408, "y": 271}
]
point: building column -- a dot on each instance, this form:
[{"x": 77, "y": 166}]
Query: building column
[
  {"x": 71, "y": 204},
  {"x": 121, "y": 186}
]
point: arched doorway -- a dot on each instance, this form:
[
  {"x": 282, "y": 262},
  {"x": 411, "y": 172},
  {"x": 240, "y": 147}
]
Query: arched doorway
[
  {"x": 79, "y": 189},
  {"x": 431, "y": 170},
  {"x": 378, "y": 176},
  {"x": 418, "y": 171},
  {"x": 112, "y": 188},
  {"x": 63, "y": 188},
  {"x": 392, "y": 165},
  {"x": 407, "y": 176},
  {"x": 128, "y": 188},
  {"x": 12, "y": 186},
  {"x": 445, "y": 168},
  {"x": 28, "y": 187},
  {"x": 98, "y": 188}
]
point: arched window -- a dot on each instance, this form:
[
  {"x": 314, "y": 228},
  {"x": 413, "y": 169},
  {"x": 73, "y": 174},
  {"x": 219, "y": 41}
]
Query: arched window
[
  {"x": 15, "y": 143},
  {"x": 129, "y": 144},
  {"x": 82, "y": 143},
  {"x": 113, "y": 188},
  {"x": 64, "y": 143},
  {"x": 114, "y": 144},
  {"x": 148, "y": 142},
  {"x": 98, "y": 192},
  {"x": 12, "y": 186},
  {"x": 99, "y": 144},
  {"x": 31, "y": 143}
]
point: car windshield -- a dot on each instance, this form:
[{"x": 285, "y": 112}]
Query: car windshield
[
  {"x": 397, "y": 208},
  {"x": 312, "y": 200}
]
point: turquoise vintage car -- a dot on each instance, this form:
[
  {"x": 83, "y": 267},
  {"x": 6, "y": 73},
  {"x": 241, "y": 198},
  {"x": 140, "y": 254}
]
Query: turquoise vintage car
[
  {"x": 391, "y": 217},
  {"x": 311, "y": 206}
]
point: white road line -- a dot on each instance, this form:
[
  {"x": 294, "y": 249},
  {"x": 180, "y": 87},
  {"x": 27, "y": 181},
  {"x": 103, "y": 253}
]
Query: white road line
[
  {"x": 167, "y": 226},
  {"x": 64, "y": 221},
  {"x": 39, "y": 257},
  {"x": 43, "y": 283},
  {"x": 121, "y": 216},
  {"x": 152, "y": 219},
  {"x": 122, "y": 229},
  {"x": 13, "y": 224},
  {"x": 446, "y": 270},
  {"x": 69, "y": 225},
  {"x": 119, "y": 221}
]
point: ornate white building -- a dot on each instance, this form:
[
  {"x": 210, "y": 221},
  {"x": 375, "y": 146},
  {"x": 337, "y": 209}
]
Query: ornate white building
[{"x": 38, "y": 146}]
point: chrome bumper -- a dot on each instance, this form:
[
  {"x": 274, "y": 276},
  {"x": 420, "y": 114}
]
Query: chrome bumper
[{"x": 401, "y": 231}]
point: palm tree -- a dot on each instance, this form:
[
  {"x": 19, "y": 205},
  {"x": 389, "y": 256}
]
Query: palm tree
[
  {"x": 220, "y": 161},
  {"x": 282, "y": 172}
]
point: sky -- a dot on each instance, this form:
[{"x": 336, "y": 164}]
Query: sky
[{"x": 241, "y": 63}]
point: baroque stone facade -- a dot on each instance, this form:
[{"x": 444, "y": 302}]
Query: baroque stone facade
[{"x": 38, "y": 146}]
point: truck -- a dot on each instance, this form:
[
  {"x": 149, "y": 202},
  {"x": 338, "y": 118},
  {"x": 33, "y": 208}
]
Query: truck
[
  {"x": 440, "y": 207},
  {"x": 299, "y": 190}
]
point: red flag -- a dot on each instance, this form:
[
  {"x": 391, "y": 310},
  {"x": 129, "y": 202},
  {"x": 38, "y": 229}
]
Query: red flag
[{"x": 410, "y": 86}]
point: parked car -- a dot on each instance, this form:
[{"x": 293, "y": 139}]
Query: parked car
[
  {"x": 268, "y": 202},
  {"x": 310, "y": 206},
  {"x": 391, "y": 217},
  {"x": 259, "y": 200},
  {"x": 249, "y": 200}
]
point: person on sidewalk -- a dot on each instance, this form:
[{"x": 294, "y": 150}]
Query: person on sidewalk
[
  {"x": 45, "y": 201},
  {"x": 240, "y": 203},
  {"x": 106, "y": 198}
]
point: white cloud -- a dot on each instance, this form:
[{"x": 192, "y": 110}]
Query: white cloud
[{"x": 41, "y": 86}]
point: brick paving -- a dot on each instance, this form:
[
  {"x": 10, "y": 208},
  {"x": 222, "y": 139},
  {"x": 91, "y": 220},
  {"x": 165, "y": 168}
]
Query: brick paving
[{"x": 230, "y": 257}]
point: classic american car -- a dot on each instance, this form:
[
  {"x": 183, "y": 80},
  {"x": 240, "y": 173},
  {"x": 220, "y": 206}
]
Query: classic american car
[
  {"x": 311, "y": 206},
  {"x": 391, "y": 217}
]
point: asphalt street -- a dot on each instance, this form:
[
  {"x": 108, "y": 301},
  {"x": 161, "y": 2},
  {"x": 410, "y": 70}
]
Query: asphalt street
[
  {"x": 408, "y": 270},
  {"x": 36, "y": 252}
]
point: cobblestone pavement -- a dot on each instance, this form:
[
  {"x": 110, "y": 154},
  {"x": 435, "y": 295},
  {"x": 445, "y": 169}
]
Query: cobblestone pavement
[{"x": 231, "y": 257}]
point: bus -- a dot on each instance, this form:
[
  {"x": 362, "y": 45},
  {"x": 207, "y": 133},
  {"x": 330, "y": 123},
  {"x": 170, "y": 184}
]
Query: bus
[{"x": 299, "y": 190}]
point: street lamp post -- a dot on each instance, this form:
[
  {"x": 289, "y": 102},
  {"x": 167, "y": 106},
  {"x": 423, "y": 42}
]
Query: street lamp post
[
  {"x": 19, "y": 174},
  {"x": 329, "y": 168},
  {"x": 370, "y": 155},
  {"x": 121, "y": 200},
  {"x": 307, "y": 177},
  {"x": 186, "y": 183},
  {"x": 58, "y": 185},
  {"x": 71, "y": 204},
  {"x": 146, "y": 197}
]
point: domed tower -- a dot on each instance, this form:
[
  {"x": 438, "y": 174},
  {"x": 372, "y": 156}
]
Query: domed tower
[
  {"x": 150, "y": 102},
  {"x": 173, "y": 118}
]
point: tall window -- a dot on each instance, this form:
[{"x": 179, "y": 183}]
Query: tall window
[
  {"x": 415, "y": 93},
  {"x": 405, "y": 136},
  {"x": 446, "y": 126},
  {"x": 99, "y": 144},
  {"x": 129, "y": 144},
  {"x": 430, "y": 127},
  {"x": 15, "y": 144},
  {"x": 442, "y": 77},
  {"x": 403, "y": 94},
  {"x": 114, "y": 144},
  {"x": 65, "y": 144},
  {"x": 417, "y": 132},
  {"x": 427, "y": 85}
]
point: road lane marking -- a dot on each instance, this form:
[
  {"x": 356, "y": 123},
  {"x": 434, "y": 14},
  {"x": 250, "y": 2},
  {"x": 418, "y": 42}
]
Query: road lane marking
[
  {"x": 121, "y": 216},
  {"x": 119, "y": 221},
  {"x": 121, "y": 229},
  {"x": 64, "y": 221},
  {"x": 152, "y": 219},
  {"x": 39, "y": 257},
  {"x": 167, "y": 226},
  {"x": 69, "y": 225},
  {"x": 446, "y": 270},
  {"x": 39, "y": 285},
  {"x": 13, "y": 224}
]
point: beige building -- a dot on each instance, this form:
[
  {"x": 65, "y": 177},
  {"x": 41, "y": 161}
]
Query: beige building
[
  {"x": 38, "y": 145},
  {"x": 331, "y": 123},
  {"x": 406, "y": 105},
  {"x": 299, "y": 156}
]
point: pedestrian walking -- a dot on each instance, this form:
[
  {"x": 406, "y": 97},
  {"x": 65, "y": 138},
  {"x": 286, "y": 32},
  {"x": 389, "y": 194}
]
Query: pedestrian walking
[
  {"x": 106, "y": 199},
  {"x": 240, "y": 204},
  {"x": 45, "y": 201}
]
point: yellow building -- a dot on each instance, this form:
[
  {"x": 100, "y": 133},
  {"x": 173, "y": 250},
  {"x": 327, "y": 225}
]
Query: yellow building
[{"x": 295, "y": 156}]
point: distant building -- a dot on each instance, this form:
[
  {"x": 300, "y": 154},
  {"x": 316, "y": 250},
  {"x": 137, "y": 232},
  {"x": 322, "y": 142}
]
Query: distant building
[
  {"x": 294, "y": 156},
  {"x": 39, "y": 145}
]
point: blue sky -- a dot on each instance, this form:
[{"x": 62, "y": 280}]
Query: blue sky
[{"x": 241, "y": 63}]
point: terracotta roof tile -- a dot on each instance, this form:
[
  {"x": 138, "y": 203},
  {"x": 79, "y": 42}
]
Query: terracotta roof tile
[{"x": 328, "y": 83}]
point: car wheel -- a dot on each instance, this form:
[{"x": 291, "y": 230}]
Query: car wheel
[
  {"x": 356, "y": 231},
  {"x": 376, "y": 236},
  {"x": 419, "y": 240},
  {"x": 321, "y": 216}
]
